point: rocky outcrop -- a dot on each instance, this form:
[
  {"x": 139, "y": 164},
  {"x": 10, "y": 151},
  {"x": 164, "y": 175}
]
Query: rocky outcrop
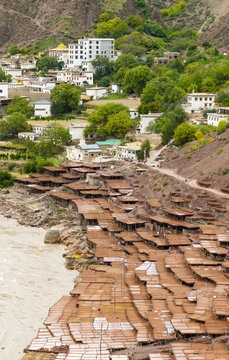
[{"x": 52, "y": 237}]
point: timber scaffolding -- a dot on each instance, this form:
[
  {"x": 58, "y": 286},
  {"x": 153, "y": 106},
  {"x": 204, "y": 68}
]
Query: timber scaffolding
[{"x": 161, "y": 278}]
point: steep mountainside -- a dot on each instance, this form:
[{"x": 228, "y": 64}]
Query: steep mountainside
[{"x": 25, "y": 21}]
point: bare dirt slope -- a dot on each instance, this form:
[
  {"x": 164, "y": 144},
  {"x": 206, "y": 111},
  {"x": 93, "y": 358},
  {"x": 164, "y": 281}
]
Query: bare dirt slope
[
  {"x": 219, "y": 8},
  {"x": 207, "y": 162}
]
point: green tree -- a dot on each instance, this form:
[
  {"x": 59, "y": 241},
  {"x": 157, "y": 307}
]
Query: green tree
[
  {"x": 13, "y": 49},
  {"x": 144, "y": 153},
  {"x": 208, "y": 84},
  {"x": 20, "y": 105},
  {"x": 6, "y": 179},
  {"x": 126, "y": 61},
  {"x": 184, "y": 133},
  {"x": 118, "y": 124},
  {"x": 134, "y": 21},
  {"x": 12, "y": 125},
  {"x": 46, "y": 63},
  {"x": 222, "y": 127},
  {"x": 135, "y": 79},
  {"x": 223, "y": 98},
  {"x": 65, "y": 98},
  {"x": 103, "y": 67},
  {"x": 98, "y": 118},
  {"x": 4, "y": 77},
  {"x": 104, "y": 17},
  {"x": 58, "y": 135},
  {"x": 112, "y": 28}
]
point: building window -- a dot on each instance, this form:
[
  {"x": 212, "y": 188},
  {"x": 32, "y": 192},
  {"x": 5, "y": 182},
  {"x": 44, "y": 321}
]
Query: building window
[{"x": 196, "y": 99}]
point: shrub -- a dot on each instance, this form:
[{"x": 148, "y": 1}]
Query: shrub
[
  {"x": 224, "y": 171},
  {"x": 6, "y": 179},
  {"x": 222, "y": 127},
  {"x": 219, "y": 150},
  {"x": 187, "y": 156},
  {"x": 11, "y": 166}
]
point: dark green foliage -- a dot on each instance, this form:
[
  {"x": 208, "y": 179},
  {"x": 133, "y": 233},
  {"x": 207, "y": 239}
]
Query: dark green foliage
[
  {"x": 143, "y": 154},
  {"x": 99, "y": 119},
  {"x": 13, "y": 49},
  {"x": 126, "y": 61},
  {"x": 65, "y": 98},
  {"x": 6, "y": 179},
  {"x": 223, "y": 98},
  {"x": 46, "y": 63},
  {"x": 36, "y": 166},
  {"x": 21, "y": 105},
  {"x": 103, "y": 68},
  {"x": 12, "y": 125},
  {"x": 135, "y": 79}
]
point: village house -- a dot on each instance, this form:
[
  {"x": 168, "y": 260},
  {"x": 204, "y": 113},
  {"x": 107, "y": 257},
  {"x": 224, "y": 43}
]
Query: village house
[
  {"x": 167, "y": 58},
  {"x": 133, "y": 113},
  {"x": 116, "y": 88},
  {"x": 42, "y": 108},
  {"x": 197, "y": 102},
  {"x": 83, "y": 151},
  {"x": 4, "y": 87},
  {"x": 14, "y": 72},
  {"x": 145, "y": 120},
  {"x": 128, "y": 152},
  {"x": 40, "y": 129},
  {"x": 75, "y": 76},
  {"x": 61, "y": 52},
  {"x": 222, "y": 114},
  {"x": 28, "y": 135},
  {"x": 76, "y": 130},
  {"x": 96, "y": 92}
]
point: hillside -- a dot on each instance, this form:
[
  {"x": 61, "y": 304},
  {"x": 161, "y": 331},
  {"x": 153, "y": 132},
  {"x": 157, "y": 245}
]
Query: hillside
[
  {"x": 26, "y": 21},
  {"x": 204, "y": 163},
  {"x": 31, "y": 20}
]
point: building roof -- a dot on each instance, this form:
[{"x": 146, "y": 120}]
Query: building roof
[
  {"x": 108, "y": 142},
  {"x": 88, "y": 147},
  {"x": 44, "y": 102},
  {"x": 200, "y": 94}
]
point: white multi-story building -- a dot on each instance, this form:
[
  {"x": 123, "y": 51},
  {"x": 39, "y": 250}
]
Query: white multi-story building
[
  {"x": 88, "y": 48},
  {"x": 4, "y": 90},
  {"x": 222, "y": 114},
  {"x": 76, "y": 77},
  {"x": 198, "y": 102}
]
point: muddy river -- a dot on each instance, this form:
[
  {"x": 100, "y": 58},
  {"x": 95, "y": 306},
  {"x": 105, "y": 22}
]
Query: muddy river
[{"x": 32, "y": 278}]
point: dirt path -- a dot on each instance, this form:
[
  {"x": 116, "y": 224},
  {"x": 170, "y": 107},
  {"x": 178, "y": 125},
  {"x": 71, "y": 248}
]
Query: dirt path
[{"x": 191, "y": 182}]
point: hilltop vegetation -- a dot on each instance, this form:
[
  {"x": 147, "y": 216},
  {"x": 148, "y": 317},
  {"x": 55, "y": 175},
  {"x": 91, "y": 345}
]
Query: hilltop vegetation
[{"x": 38, "y": 24}]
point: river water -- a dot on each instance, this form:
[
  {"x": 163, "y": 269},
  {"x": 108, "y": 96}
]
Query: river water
[{"x": 32, "y": 278}]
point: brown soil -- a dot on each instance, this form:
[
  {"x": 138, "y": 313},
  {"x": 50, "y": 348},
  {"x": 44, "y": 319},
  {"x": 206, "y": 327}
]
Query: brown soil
[{"x": 205, "y": 163}]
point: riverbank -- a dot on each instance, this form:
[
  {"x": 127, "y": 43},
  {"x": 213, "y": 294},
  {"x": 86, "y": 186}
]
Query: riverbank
[
  {"x": 32, "y": 278},
  {"x": 61, "y": 223}
]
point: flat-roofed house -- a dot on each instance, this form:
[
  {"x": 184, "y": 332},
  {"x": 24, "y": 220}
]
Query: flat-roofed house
[
  {"x": 42, "y": 108},
  {"x": 222, "y": 114},
  {"x": 198, "y": 102}
]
